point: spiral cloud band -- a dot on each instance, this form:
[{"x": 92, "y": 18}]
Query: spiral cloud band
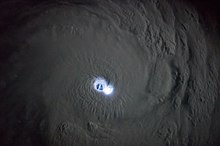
[{"x": 108, "y": 73}]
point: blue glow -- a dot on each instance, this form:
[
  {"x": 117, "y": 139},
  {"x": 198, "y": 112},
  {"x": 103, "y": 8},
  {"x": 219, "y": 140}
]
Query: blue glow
[{"x": 102, "y": 86}]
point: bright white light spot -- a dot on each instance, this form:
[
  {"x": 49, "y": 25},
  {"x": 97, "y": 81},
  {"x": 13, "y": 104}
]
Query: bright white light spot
[
  {"x": 101, "y": 85},
  {"x": 108, "y": 90}
]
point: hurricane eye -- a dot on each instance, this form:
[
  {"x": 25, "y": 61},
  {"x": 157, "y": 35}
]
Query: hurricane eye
[{"x": 101, "y": 85}]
